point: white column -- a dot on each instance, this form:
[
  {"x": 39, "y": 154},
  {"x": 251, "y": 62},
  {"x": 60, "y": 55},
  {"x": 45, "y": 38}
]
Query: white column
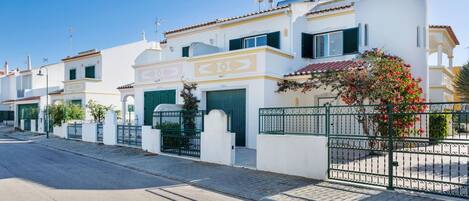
[
  {"x": 450, "y": 61},
  {"x": 110, "y": 128},
  {"x": 216, "y": 143},
  {"x": 124, "y": 110},
  {"x": 440, "y": 55}
]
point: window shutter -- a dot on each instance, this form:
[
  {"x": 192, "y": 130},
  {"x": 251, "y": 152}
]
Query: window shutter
[
  {"x": 273, "y": 39},
  {"x": 307, "y": 45},
  {"x": 185, "y": 51},
  {"x": 89, "y": 72},
  {"x": 351, "y": 41},
  {"x": 73, "y": 74},
  {"x": 236, "y": 44}
]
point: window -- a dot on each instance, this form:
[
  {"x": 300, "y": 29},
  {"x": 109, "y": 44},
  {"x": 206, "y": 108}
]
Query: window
[
  {"x": 256, "y": 41},
  {"x": 269, "y": 39},
  {"x": 76, "y": 102},
  {"x": 185, "y": 51},
  {"x": 90, "y": 72},
  {"x": 72, "y": 74},
  {"x": 330, "y": 44}
]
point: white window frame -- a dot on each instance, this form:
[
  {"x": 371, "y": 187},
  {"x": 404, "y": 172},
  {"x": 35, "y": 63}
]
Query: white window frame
[
  {"x": 255, "y": 40},
  {"x": 328, "y": 45}
]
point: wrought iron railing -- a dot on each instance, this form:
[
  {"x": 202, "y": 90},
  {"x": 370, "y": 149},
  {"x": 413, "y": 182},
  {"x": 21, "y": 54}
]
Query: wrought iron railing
[
  {"x": 129, "y": 135},
  {"x": 99, "y": 132},
  {"x": 74, "y": 131},
  {"x": 421, "y": 147},
  {"x": 180, "y": 131}
]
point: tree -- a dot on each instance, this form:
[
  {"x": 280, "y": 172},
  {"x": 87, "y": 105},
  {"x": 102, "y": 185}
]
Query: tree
[
  {"x": 462, "y": 82},
  {"x": 190, "y": 107},
  {"x": 98, "y": 111},
  {"x": 60, "y": 113},
  {"x": 374, "y": 78}
]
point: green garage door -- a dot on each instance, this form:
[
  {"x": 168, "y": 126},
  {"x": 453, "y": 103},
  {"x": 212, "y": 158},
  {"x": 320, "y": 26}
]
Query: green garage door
[
  {"x": 233, "y": 102},
  {"x": 153, "y": 99},
  {"x": 27, "y": 112}
]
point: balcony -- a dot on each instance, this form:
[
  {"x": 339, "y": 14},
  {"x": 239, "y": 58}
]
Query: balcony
[
  {"x": 81, "y": 85},
  {"x": 259, "y": 61}
]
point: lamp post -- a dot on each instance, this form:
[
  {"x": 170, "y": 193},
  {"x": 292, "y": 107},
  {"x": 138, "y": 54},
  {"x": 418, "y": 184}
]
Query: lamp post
[{"x": 46, "y": 119}]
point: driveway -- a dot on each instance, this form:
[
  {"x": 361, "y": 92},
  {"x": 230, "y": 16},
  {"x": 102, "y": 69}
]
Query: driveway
[{"x": 30, "y": 171}]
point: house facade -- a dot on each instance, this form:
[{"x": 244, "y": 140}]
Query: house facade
[
  {"x": 94, "y": 75},
  {"x": 25, "y": 93},
  {"x": 238, "y": 61}
]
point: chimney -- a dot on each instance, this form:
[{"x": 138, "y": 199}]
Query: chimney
[
  {"x": 143, "y": 36},
  {"x": 29, "y": 63},
  {"x": 5, "y": 67}
]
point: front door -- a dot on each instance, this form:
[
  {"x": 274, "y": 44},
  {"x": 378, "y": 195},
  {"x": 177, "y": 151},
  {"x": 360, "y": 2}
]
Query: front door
[
  {"x": 233, "y": 102},
  {"x": 153, "y": 99}
]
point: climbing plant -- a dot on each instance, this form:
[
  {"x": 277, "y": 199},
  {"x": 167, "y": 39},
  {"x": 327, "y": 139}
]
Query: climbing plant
[{"x": 374, "y": 78}]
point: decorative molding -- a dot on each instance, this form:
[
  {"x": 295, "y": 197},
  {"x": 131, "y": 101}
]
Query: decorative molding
[
  {"x": 240, "y": 64},
  {"x": 161, "y": 73}
]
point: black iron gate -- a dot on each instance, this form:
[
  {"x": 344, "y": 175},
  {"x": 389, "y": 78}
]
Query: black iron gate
[
  {"x": 424, "y": 151},
  {"x": 180, "y": 131}
]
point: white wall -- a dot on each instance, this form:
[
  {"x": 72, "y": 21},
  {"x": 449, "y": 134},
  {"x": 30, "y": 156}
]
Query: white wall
[
  {"x": 393, "y": 27},
  {"x": 304, "y": 156}
]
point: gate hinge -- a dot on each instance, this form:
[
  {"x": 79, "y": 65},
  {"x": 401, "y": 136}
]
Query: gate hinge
[{"x": 395, "y": 163}]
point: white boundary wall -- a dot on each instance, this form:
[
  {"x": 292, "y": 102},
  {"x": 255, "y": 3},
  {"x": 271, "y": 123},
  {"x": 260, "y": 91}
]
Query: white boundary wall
[
  {"x": 151, "y": 139},
  {"x": 61, "y": 131},
  {"x": 89, "y": 132},
  {"x": 33, "y": 126},
  {"x": 217, "y": 144},
  {"x": 304, "y": 156},
  {"x": 110, "y": 128}
]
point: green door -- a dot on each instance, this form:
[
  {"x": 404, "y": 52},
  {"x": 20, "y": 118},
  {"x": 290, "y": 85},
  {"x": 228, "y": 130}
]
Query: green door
[
  {"x": 153, "y": 99},
  {"x": 27, "y": 112},
  {"x": 233, "y": 102}
]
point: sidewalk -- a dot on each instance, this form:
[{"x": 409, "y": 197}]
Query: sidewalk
[{"x": 240, "y": 182}]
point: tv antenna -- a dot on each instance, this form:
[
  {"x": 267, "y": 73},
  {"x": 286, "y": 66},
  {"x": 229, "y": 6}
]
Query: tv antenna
[
  {"x": 158, "y": 23},
  {"x": 70, "y": 39}
]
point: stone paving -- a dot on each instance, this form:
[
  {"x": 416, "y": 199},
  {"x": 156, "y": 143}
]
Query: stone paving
[{"x": 241, "y": 182}]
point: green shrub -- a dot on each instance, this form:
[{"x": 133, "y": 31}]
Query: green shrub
[
  {"x": 60, "y": 113},
  {"x": 171, "y": 134},
  {"x": 440, "y": 126}
]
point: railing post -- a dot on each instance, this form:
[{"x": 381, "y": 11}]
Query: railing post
[
  {"x": 390, "y": 134},
  {"x": 328, "y": 120},
  {"x": 283, "y": 121}
]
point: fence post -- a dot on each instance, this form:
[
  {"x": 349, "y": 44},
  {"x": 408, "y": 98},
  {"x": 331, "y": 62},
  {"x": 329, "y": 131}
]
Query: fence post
[
  {"x": 110, "y": 128},
  {"x": 328, "y": 124},
  {"x": 390, "y": 134}
]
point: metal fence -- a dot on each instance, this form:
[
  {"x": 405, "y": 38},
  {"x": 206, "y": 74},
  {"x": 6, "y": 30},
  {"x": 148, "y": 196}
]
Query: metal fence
[
  {"x": 74, "y": 131},
  {"x": 180, "y": 131},
  {"x": 420, "y": 147},
  {"x": 99, "y": 132},
  {"x": 129, "y": 135}
]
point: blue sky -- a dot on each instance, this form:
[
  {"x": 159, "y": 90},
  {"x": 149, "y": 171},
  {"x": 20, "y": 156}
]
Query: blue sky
[{"x": 40, "y": 27}]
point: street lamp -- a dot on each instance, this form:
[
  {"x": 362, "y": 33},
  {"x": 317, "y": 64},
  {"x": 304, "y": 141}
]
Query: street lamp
[{"x": 46, "y": 119}]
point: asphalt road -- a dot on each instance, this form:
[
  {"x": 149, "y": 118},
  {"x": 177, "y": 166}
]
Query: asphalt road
[{"x": 32, "y": 172}]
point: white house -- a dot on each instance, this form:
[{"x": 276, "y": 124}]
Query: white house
[
  {"x": 94, "y": 75},
  {"x": 24, "y": 92},
  {"x": 238, "y": 61},
  {"x": 443, "y": 40}
]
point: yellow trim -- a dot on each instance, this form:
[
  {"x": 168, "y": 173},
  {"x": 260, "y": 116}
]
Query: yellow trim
[
  {"x": 250, "y": 20},
  {"x": 241, "y": 52},
  {"x": 321, "y": 16},
  {"x": 88, "y": 92},
  {"x": 82, "y": 80},
  {"x": 230, "y": 65},
  {"x": 445, "y": 70},
  {"x": 443, "y": 87},
  {"x": 267, "y": 77}
]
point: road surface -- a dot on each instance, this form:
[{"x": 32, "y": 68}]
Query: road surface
[{"x": 31, "y": 172}]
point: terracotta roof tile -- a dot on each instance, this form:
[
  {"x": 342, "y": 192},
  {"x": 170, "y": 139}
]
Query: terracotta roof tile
[
  {"x": 331, "y": 9},
  {"x": 449, "y": 29},
  {"x": 323, "y": 67},
  {"x": 127, "y": 86},
  {"x": 222, "y": 20},
  {"x": 81, "y": 55},
  {"x": 23, "y": 99}
]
